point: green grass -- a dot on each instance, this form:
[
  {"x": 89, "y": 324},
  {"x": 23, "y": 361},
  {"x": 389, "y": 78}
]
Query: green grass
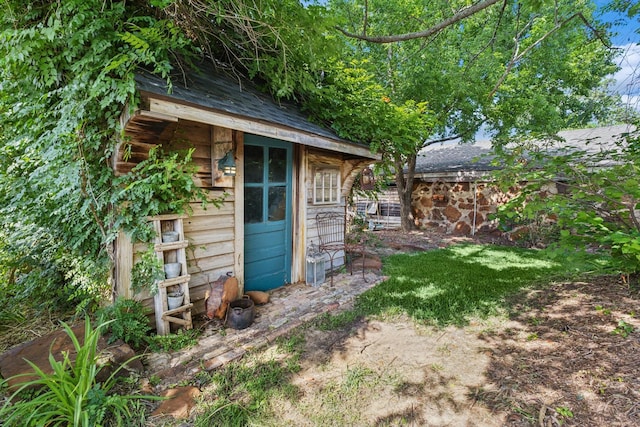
[{"x": 452, "y": 285}]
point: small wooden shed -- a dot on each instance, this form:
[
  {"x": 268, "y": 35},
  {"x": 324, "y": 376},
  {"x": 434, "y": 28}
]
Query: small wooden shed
[{"x": 287, "y": 170}]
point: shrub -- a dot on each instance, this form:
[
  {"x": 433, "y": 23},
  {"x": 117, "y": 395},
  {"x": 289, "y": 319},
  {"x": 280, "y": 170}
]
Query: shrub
[
  {"x": 591, "y": 194},
  {"x": 173, "y": 342},
  {"x": 128, "y": 321}
]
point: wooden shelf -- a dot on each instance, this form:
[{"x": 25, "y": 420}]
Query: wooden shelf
[
  {"x": 178, "y": 309},
  {"x": 181, "y": 315},
  {"x": 162, "y": 247},
  {"x": 173, "y": 282}
]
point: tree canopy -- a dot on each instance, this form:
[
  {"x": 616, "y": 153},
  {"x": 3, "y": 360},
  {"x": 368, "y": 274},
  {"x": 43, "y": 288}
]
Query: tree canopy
[{"x": 514, "y": 69}]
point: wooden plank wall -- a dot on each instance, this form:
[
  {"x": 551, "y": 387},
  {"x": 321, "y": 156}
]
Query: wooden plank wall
[
  {"x": 214, "y": 235},
  {"x": 210, "y": 253},
  {"x": 319, "y": 159},
  {"x": 211, "y": 232}
]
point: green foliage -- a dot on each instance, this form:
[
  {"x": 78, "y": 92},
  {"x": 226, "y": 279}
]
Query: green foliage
[
  {"x": 146, "y": 272},
  {"x": 245, "y": 389},
  {"x": 564, "y": 411},
  {"x": 598, "y": 210},
  {"x": 280, "y": 44},
  {"x": 67, "y": 71},
  {"x": 162, "y": 183},
  {"x": 468, "y": 75},
  {"x": 126, "y": 319},
  {"x": 623, "y": 329},
  {"x": 360, "y": 109},
  {"x": 331, "y": 322},
  {"x": 173, "y": 342},
  {"x": 70, "y": 395}
]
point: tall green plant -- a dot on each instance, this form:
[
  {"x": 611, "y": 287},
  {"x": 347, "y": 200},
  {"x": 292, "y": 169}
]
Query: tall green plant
[
  {"x": 162, "y": 183},
  {"x": 598, "y": 207},
  {"x": 67, "y": 72},
  {"x": 126, "y": 319},
  {"x": 71, "y": 395}
]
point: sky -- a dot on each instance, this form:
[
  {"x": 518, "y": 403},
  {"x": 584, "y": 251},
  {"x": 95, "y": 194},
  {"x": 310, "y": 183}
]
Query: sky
[{"x": 627, "y": 40}]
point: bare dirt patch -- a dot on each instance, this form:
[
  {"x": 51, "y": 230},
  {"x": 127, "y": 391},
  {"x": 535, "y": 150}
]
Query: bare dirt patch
[
  {"x": 394, "y": 372},
  {"x": 574, "y": 346}
]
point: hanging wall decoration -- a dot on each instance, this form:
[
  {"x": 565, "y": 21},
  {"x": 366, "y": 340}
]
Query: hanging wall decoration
[{"x": 367, "y": 181}]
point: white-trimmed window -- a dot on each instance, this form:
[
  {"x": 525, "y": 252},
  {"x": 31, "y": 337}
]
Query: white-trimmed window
[{"x": 326, "y": 186}]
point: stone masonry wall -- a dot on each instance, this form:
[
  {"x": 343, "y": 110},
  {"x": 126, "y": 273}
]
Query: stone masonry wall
[{"x": 450, "y": 206}]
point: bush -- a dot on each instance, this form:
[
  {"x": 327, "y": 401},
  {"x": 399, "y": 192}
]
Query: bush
[
  {"x": 591, "y": 194},
  {"x": 126, "y": 319},
  {"x": 174, "y": 342}
]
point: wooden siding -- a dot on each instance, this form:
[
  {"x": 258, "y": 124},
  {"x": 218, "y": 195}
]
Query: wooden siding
[
  {"x": 214, "y": 235},
  {"x": 318, "y": 159},
  {"x": 211, "y": 252}
]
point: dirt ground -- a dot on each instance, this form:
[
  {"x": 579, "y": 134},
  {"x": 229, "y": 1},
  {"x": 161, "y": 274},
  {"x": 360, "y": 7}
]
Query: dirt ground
[{"x": 566, "y": 355}]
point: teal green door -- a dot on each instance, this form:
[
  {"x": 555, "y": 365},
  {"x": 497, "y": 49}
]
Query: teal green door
[{"x": 267, "y": 212}]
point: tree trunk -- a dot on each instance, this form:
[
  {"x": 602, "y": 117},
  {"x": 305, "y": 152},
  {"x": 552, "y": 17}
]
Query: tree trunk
[{"x": 405, "y": 189}]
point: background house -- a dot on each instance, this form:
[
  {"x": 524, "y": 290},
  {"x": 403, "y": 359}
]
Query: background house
[
  {"x": 453, "y": 188},
  {"x": 287, "y": 170}
]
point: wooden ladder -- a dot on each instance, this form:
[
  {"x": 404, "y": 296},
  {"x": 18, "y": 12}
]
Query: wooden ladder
[{"x": 171, "y": 252}]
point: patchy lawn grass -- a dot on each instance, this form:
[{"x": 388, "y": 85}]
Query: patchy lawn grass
[
  {"x": 452, "y": 285},
  {"x": 344, "y": 370}
]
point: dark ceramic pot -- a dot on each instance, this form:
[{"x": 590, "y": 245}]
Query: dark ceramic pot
[{"x": 241, "y": 313}]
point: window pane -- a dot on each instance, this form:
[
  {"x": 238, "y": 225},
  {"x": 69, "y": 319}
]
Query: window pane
[
  {"x": 327, "y": 186},
  {"x": 277, "y": 165},
  {"x": 253, "y": 163},
  {"x": 252, "y": 205},
  {"x": 277, "y": 203}
]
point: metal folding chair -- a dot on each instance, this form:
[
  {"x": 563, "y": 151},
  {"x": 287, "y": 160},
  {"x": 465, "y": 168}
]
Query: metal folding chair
[{"x": 332, "y": 228}]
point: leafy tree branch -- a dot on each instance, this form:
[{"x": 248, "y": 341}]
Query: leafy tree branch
[{"x": 458, "y": 16}]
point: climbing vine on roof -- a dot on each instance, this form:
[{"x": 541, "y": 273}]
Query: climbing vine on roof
[{"x": 67, "y": 71}]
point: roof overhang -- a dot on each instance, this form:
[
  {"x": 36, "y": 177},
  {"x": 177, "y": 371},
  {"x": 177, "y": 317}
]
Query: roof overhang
[
  {"x": 174, "y": 110},
  {"x": 206, "y": 96}
]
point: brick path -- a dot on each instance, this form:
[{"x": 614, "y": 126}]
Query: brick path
[{"x": 288, "y": 308}]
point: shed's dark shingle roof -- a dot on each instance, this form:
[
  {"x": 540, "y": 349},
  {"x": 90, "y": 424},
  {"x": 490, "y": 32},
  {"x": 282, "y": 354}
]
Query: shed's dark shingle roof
[{"x": 212, "y": 90}]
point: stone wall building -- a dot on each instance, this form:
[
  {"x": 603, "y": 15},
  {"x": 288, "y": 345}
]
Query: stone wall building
[{"x": 454, "y": 190}]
